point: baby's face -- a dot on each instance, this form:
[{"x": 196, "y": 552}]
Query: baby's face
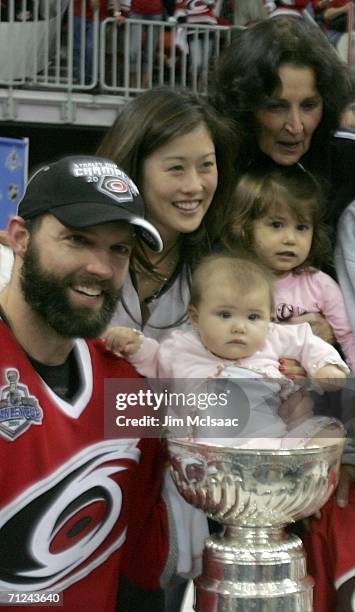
[
  {"x": 281, "y": 241},
  {"x": 233, "y": 324}
]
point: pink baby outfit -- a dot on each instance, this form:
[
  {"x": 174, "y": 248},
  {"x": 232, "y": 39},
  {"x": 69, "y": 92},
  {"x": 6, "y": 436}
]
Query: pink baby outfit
[
  {"x": 183, "y": 356},
  {"x": 315, "y": 291}
]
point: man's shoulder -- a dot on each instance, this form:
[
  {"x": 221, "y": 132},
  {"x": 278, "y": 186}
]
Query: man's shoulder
[{"x": 115, "y": 366}]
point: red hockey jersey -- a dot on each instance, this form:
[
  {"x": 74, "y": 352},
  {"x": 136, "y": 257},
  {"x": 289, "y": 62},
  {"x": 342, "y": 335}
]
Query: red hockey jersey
[
  {"x": 196, "y": 11},
  {"x": 76, "y": 509},
  {"x": 331, "y": 556}
]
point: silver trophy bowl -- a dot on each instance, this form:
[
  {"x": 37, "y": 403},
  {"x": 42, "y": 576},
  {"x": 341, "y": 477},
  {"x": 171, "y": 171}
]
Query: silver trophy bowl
[{"x": 254, "y": 565}]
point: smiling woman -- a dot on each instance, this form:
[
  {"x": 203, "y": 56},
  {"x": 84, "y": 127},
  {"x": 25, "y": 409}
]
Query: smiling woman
[
  {"x": 181, "y": 155},
  {"x": 179, "y": 182}
]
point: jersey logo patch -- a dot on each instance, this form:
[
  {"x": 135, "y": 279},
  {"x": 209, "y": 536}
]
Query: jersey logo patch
[
  {"x": 117, "y": 188},
  {"x": 18, "y": 409}
]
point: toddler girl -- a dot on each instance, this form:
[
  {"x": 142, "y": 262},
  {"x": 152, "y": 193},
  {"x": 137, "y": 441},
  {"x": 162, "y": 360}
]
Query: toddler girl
[
  {"x": 233, "y": 338},
  {"x": 278, "y": 216}
]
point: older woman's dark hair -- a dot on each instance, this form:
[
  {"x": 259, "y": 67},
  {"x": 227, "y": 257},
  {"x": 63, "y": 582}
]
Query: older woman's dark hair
[
  {"x": 247, "y": 75},
  {"x": 155, "y": 118}
]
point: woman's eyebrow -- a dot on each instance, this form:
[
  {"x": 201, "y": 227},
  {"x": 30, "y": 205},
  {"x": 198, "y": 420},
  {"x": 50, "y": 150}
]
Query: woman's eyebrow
[{"x": 185, "y": 156}]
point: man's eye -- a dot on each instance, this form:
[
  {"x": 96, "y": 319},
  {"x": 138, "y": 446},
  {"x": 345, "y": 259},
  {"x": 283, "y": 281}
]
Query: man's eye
[
  {"x": 121, "y": 249},
  {"x": 78, "y": 240}
]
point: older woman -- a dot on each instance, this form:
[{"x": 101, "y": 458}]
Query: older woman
[{"x": 286, "y": 88}]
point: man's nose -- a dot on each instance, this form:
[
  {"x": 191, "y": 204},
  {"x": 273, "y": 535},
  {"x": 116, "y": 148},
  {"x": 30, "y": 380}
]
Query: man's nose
[{"x": 100, "y": 265}]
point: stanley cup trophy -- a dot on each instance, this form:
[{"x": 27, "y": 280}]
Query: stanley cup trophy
[{"x": 254, "y": 566}]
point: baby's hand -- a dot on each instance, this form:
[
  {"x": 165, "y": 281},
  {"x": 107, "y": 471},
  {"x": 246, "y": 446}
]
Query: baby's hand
[
  {"x": 123, "y": 341},
  {"x": 330, "y": 378}
]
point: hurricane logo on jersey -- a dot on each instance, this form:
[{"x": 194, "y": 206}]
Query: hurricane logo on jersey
[
  {"x": 197, "y": 6},
  {"x": 70, "y": 522},
  {"x": 116, "y": 187},
  {"x": 18, "y": 409}
]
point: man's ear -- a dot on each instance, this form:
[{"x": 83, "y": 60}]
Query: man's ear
[
  {"x": 193, "y": 315},
  {"x": 18, "y": 235}
]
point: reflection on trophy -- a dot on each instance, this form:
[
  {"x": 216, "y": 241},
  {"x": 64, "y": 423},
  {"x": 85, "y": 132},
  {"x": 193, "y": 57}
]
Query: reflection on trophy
[{"x": 254, "y": 566}]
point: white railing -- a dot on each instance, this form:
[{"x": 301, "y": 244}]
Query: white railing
[
  {"x": 27, "y": 48},
  {"x": 180, "y": 56},
  {"x": 47, "y": 73},
  {"x": 49, "y": 51}
]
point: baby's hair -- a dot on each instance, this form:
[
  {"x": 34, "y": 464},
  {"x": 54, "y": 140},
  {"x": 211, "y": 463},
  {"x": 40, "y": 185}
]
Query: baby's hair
[
  {"x": 242, "y": 272},
  {"x": 262, "y": 192}
]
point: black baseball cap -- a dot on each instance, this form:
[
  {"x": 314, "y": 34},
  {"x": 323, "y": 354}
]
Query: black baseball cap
[{"x": 82, "y": 191}]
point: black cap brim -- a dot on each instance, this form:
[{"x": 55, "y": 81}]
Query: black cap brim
[{"x": 85, "y": 215}]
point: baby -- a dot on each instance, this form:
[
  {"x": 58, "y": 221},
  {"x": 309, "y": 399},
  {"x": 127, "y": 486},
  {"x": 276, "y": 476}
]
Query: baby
[{"x": 233, "y": 338}]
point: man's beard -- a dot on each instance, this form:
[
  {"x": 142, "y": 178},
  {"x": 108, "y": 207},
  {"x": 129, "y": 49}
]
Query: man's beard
[{"x": 47, "y": 295}]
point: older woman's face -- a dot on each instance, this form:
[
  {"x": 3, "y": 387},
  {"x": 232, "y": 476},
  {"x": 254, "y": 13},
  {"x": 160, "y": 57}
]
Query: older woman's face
[{"x": 287, "y": 122}]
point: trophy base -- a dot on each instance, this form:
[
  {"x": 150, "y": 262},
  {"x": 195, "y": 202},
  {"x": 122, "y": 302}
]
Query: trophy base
[{"x": 254, "y": 570}]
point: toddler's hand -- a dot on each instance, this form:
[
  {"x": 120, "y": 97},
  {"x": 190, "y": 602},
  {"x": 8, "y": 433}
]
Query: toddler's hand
[
  {"x": 319, "y": 324},
  {"x": 330, "y": 378},
  {"x": 123, "y": 341}
]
